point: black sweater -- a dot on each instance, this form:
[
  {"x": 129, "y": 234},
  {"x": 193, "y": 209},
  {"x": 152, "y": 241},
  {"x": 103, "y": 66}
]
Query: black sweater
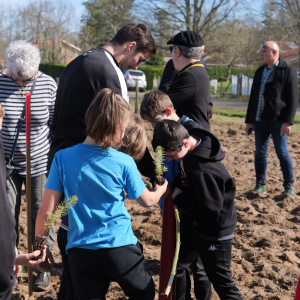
[
  {"x": 208, "y": 189},
  {"x": 190, "y": 92},
  {"x": 7, "y": 236}
]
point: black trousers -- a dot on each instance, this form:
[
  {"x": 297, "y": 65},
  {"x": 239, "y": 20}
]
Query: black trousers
[
  {"x": 202, "y": 285},
  {"x": 216, "y": 258},
  {"x": 66, "y": 291},
  {"x": 92, "y": 271}
]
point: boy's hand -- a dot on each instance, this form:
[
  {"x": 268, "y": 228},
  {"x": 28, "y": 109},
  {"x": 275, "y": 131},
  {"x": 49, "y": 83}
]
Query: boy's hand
[
  {"x": 161, "y": 189},
  {"x": 176, "y": 192}
]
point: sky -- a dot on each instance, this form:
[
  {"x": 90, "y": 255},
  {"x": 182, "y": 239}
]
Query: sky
[{"x": 76, "y": 3}]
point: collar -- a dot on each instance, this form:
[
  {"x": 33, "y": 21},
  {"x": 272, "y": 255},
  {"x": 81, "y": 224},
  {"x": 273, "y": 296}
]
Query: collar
[
  {"x": 273, "y": 66},
  {"x": 191, "y": 65}
]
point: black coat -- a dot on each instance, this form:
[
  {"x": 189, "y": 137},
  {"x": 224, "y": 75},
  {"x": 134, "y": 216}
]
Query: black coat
[
  {"x": 208, "y": 189},
  {"x": 190, "y": 92},
  {"x": 280, "y": 95}
]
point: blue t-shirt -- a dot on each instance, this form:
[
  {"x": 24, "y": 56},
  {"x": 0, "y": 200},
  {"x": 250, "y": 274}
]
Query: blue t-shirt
[{"x": 98, "y": 178}]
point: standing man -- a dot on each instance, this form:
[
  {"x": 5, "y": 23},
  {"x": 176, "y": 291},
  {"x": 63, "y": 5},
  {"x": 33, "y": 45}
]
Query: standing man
[
  {"x": 90, "y": 72},
  {"x": 271, "y": 111},
  {"x": 190, "y": 89},
  {"x": 170, "y": 73}
]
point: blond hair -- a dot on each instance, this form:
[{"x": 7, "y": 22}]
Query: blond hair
[
  {"x": 135, "y": 139},
  {"x": 107, "y": 113}
]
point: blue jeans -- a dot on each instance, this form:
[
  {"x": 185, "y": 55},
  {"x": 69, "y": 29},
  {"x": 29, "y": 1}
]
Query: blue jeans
[{"x": 263, "y": 131}]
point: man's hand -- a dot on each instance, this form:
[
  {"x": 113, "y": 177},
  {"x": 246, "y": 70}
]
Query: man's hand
[
  {"x": 176, "y": 192},
  {"x": 285, "y": 128},
  {"x": 248, "y": 126},
  {"x": 210, "y": 112},
  {"x": 45, "y": 266}
]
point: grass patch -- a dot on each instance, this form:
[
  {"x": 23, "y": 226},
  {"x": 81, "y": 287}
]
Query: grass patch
[{"x": 226, "y": 114}]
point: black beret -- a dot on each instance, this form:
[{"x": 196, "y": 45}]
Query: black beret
[{"x": 187, "y": 38}]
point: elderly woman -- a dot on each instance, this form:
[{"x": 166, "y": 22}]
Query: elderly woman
[{"x": 22, "y": 63}]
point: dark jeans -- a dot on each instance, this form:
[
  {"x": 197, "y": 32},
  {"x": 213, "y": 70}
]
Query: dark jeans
[
  {"x": 14, "y": 192},
  {"x": 263, "y": 131},
  {"x": 202, "y": 285},
  {"x": 66, "y": 285},
  {"x": 92, "y": 271},
  {"x": 216, "y": 258}
]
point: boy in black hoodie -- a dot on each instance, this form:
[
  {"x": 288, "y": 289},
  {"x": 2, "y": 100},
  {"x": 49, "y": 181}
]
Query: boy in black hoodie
[
  {"x": 157, "y": 106},
  {"x": 206, "y": 192}
]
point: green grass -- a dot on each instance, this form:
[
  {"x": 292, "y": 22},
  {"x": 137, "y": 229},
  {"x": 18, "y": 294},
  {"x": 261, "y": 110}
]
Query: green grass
[{"x": 225, "y": 84}]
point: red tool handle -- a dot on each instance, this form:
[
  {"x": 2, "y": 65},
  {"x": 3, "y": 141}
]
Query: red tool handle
[
  {"x": 167, "y": 247},
  {"x": 28, "y": 118}
]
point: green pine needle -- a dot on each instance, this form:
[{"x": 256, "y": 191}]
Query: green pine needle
[
  {"x": 160, "y": 168},
  {"x": 61, "y": 210}
]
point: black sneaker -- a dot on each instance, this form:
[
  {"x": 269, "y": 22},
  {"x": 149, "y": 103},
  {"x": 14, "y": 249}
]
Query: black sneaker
[
  {"x": 260, "y": 189},
  {"x": 42, "y": 281},
  {"x": 289, "y": 191}
]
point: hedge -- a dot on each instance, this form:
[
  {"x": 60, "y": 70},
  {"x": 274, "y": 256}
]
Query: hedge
[
  {"x": 52, "y": 69},
  {"x": 55, "y": 70},
  {"x": 213, "y": 72},
  {"x": 150, "y": 72},
  {"x": 221, "y": 72}
]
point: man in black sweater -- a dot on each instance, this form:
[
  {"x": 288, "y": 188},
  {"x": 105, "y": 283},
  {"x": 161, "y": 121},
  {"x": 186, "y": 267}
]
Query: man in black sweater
[
  {"x": 206, "y": 192},
  {"x": 271, "y": 111},
  {"x": 190, "y": 89},
  {"x": 170, "y": 73}
]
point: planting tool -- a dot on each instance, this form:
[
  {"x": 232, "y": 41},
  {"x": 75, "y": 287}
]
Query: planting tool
[{"x": 28, "y": 192}]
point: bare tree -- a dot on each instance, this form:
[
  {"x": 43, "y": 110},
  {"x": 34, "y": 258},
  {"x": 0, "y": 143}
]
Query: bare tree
[
  {"x": 283, "y": 17},
  {"x": 202, "y": 16}
]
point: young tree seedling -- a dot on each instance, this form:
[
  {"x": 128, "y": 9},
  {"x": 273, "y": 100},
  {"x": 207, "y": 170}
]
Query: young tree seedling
[
  {"x": 160, "y": 168},
  {"x": 61, "y": 210}
]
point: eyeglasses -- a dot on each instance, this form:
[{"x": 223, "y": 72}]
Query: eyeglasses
[
  {"x": 21, "y": 80},
  {"x": 171, "y": 48},
  {"x": 264, "y": 48}
]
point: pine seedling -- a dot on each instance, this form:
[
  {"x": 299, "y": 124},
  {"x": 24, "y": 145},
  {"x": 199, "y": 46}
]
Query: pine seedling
[
  {"x": 61, "y": 210},
  {"x": 160, "y": 168}
]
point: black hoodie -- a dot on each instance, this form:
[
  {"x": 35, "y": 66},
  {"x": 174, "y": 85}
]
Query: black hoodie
[{"x": 208, "y": 189}]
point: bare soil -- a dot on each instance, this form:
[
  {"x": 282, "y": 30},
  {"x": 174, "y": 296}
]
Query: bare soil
[{"x": 266, "y": 248}]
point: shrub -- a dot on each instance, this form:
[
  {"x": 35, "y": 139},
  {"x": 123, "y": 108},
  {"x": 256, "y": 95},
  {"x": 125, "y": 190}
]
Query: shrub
[
  {"x": 150, "y": 72},
  {"x": 52, "y": 69}
]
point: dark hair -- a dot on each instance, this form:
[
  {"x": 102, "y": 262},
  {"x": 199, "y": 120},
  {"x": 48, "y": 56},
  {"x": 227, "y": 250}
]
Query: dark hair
[
  {"x": 155, "y": 103},
  {"x": 138, "y": 33},
  {"x": 169, "y": 134},
  {"x": 107, "y": 113},
  {"x": 135, "y": 139}
]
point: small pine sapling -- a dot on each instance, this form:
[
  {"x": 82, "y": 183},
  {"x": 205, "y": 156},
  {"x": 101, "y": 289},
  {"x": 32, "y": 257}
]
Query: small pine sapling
[
  {"x": 160, "y": 168},
  {"x": 61, "y": 210}
]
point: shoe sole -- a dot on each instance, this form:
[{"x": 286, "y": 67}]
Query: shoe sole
[
  {"x": 39, "y": 289},
  {"x": 257, "y": 194},
  {"x": 288, "y": 196}
]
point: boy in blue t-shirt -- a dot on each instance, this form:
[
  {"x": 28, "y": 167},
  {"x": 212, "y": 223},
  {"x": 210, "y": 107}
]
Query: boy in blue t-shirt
[{"x": 101, "y": 245}]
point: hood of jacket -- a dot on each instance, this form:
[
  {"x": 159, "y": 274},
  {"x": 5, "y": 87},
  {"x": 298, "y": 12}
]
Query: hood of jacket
[{"x": 209, "y": 148}]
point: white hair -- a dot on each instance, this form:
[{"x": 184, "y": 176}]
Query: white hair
[
  {"x": 22, "y": 58},
  {"x": 190, "y": 52}
]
